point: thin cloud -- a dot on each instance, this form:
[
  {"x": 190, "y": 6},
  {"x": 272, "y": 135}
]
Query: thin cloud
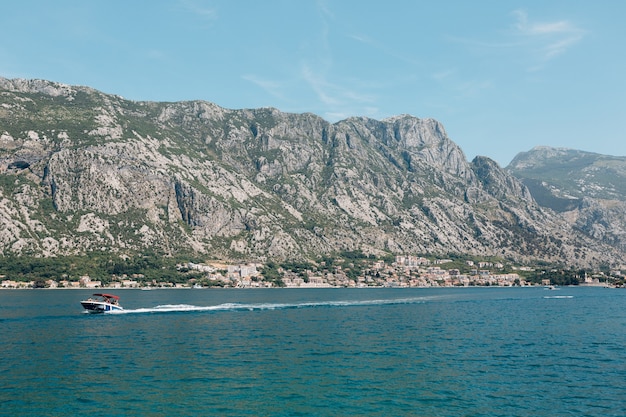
[
  {"x": 323, "y": 8},
  {"x": 534, "y": 28},
  {"x": 272, "y": 87},
  {"x": 331, "y": 94},
  {"x": 199, "y": 9},
  {"x": 320, "y": 86},
  {"x": 339, "y": 101},
  {"x": 545, "y": 39},
  {"x": 551, "y": 38},
  {"x": 443, "y": 74}
]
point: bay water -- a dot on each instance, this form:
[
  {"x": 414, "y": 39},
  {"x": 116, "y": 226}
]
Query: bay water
[{"x": 316, "y": 352}]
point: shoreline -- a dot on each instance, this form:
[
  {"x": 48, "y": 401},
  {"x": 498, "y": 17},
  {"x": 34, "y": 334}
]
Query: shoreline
[{"x": 105, "y": 289}]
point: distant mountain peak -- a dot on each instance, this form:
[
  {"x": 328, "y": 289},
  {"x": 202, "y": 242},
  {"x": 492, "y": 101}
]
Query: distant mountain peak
[{"x": 589, "y": 188}]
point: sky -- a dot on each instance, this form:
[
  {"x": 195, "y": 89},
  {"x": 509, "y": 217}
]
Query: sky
[{"x": 501, "y": 76}]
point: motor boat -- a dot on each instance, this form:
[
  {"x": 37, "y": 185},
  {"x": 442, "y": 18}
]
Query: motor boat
[{"x": 101, "y": 303}]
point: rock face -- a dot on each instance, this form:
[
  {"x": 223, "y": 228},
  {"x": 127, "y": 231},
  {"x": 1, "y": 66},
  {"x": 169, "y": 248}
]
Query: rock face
[
  {"x": 587, "y": 189},
  {"x": 84, "y": 171}
]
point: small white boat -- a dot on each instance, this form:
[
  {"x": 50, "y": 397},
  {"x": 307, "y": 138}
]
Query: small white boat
[{"x": 101, "y": 303}]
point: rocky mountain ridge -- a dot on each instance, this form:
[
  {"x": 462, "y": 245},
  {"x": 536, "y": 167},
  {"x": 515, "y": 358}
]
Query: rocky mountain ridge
[{"x": 84, "y": 171}]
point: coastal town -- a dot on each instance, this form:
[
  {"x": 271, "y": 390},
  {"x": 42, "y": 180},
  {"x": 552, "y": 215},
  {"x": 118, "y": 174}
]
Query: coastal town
[{"x": 403, "y": 272}]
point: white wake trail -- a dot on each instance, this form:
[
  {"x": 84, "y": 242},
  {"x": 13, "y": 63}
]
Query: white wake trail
[{"x": 171, "y": 308}]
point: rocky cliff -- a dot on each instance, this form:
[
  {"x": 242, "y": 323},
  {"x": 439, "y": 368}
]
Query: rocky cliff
[{"x": 84, "y": 171}]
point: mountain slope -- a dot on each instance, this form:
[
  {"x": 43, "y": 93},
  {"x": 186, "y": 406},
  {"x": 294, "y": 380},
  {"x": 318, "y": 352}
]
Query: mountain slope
[
  {"x": 84, "y": 171},
  {"x": 588, "y": 189}
]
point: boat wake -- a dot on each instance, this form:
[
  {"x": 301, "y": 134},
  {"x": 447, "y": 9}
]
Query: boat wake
[
  {"x": 559, "y": 296},
  {"x": 172, "y": 308}
]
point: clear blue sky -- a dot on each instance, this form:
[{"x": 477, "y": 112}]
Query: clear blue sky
[{"x": 502, "y": 76}]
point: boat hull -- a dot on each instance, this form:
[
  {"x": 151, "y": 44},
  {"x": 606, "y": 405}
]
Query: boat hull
[{"x": 99, "y": 307}]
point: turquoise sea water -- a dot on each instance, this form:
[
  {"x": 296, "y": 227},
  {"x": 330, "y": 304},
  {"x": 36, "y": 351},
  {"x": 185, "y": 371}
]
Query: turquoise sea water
[{"x": 326, "y": 352}]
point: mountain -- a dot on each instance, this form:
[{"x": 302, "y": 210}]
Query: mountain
[
  {"x": 587, "y": 189},
  {"x": 84, "y": 171}
]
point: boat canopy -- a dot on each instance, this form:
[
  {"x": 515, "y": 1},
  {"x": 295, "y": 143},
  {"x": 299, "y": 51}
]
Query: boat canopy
[{"x": 115, "y": 297}]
